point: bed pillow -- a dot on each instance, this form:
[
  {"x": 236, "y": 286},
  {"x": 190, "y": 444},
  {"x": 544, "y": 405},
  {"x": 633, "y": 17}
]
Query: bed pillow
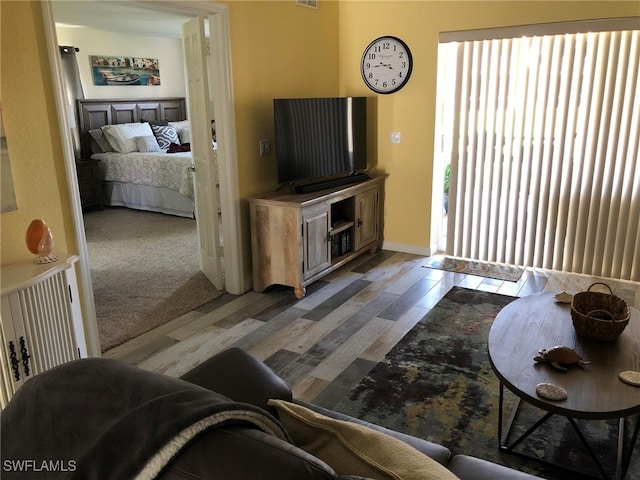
[
  {"x": 100, "y": 144},
  {"x": 180, "y": 125},
  {"x": 122, "y": 137},
  {"x": 148, "y": 144},
  {"x": 354, "y": 449},
  {"x": 155, "y": 122},
  {"x": 184, "y": 130},
  {"x": 165, "y": 135},
  {"x": 184, "y": 134}
]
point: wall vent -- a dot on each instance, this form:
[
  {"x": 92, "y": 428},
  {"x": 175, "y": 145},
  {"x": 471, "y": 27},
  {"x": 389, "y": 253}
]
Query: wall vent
[{"x": 307, "y": 3}]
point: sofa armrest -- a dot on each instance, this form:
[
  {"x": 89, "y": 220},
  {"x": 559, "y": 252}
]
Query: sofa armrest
[
  {"x": 437, "y": 452},
  {"x": 240, "y": 376},
  {"x": 471, "y": 468}
]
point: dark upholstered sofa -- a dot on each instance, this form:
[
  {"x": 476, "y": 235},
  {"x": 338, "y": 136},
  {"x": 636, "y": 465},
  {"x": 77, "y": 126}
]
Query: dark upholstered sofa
[{"x": 225, "y": 419}]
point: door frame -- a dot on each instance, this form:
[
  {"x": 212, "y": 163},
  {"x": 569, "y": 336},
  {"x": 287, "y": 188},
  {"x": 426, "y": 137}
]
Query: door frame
[{"x": 227, "y": 152}]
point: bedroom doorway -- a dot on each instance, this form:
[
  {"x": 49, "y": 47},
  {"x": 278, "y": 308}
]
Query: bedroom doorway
[{"x": 227, "y": 157}]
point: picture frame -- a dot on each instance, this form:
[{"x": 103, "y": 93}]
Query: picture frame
[
  {"x": 7, "y": 190},
  {"x": 124, "y": 70}
]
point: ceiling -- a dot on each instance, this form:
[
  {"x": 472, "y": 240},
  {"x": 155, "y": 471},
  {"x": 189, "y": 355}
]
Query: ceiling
[{"x": 119, "y": 16}]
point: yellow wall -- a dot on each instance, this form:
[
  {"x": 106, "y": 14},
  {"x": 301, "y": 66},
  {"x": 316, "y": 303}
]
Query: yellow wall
[
  {"x": 407, "y": 215},
  {"x": 33, "y": 137},
  {"x": 278, "y": 50}
]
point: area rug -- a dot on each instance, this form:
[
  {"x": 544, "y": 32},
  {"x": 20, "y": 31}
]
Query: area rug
[
  {"x": 437, "y": 384},
  {"x": 497, "y": 271},
  {"x": 144, "y": 269}
]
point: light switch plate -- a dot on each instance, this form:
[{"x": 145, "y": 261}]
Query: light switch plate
[{"x": 265, "y": 148}]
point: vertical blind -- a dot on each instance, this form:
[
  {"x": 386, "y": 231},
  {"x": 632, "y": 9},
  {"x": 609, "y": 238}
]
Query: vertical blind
[{"x": 544, "y": 134}]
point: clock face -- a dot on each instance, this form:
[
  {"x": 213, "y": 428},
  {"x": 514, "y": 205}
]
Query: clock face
[{"x": 386, "y": 64}]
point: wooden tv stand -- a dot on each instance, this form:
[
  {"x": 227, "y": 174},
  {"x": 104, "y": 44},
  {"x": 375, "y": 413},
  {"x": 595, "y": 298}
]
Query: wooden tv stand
[{"x": 297, "y": 239}]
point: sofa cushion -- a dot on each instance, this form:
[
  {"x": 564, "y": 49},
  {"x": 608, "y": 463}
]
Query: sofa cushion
[
  {"x": 114, "y": 420},
  {"x": 353, "y": 449},
  {"x": 471, "y": 468},
  {"x": 240, "y": 376},
  {"x": 436, "y": 451}
]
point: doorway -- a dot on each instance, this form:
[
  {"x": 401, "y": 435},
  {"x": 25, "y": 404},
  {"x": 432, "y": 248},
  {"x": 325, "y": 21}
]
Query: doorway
[{"x": 227, "y": 157}]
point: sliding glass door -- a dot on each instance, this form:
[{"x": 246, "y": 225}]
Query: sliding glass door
[{"x": 542, "y": 132}]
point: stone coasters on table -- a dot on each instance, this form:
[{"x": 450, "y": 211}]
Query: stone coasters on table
[
  {"x": 630, "y": 377},
  {"x": 551, "y": 392}
]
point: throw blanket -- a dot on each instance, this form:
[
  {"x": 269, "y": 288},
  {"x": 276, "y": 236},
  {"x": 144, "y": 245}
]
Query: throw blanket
[
  {"x": 102, "y": 419},
  {"x": 175, "y": 147}
]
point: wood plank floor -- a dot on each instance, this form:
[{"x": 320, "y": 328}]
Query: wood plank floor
[{"x": 325, "y": 343}]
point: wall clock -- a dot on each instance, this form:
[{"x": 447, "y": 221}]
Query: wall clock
[{"x": 386, "y": 64}]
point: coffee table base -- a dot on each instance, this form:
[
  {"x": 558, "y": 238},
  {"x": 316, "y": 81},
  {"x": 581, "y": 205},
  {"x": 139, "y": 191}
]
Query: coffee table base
[{"x": 622, "y": 459}]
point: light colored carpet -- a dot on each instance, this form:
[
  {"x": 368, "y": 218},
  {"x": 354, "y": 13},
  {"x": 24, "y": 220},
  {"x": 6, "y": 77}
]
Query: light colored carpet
[{"x": 144, "y": 269}]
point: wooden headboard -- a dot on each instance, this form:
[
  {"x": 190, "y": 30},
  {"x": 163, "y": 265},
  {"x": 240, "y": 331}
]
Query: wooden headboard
[{"x": 97, "y": 113}]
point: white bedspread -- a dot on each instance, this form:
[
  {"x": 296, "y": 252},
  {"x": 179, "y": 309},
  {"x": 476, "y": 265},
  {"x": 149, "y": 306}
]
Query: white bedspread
[{"x": 168, "y": 170}]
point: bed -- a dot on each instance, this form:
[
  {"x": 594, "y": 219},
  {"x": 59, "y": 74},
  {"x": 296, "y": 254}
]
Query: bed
[{"x": 139, "y": 172}]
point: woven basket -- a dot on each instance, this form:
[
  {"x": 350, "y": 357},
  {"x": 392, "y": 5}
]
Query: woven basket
[{"x": 599, "y": 316}]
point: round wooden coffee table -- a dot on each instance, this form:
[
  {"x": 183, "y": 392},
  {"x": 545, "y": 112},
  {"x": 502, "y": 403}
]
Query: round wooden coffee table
[{"x": 594, "y": 392}]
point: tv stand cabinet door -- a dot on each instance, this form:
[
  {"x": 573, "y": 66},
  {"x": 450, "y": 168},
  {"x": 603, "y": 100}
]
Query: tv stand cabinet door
[
  {"x": 366, "y": 218},
  {"x": 315, "y": 239}
]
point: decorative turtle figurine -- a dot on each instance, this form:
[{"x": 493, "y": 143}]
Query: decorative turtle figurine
[{"x": 560, "y": 356}]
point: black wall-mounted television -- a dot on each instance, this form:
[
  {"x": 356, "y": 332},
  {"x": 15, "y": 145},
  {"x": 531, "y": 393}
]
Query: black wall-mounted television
[{"x": 320, "y": 138}]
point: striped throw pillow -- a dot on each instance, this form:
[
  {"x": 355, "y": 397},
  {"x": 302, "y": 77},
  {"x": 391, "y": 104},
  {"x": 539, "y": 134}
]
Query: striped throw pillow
[{"x": 166, "y": 135}]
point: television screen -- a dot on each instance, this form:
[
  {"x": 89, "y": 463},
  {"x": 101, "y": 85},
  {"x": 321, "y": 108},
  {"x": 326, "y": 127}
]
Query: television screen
[{"x": 320, "y": 137}]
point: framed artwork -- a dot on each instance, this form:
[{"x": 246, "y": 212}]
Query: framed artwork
[
  {"x": 124, "y": 70},
  {"x": 7, "y": 191}
]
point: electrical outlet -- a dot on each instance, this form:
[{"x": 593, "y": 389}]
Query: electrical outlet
[
  {"x": 394, "y": 137},
  {"x": 265, "y": 148}
]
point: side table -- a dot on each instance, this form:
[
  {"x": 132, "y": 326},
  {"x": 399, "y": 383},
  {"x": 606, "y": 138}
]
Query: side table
[{"x": 89, "y": 183}]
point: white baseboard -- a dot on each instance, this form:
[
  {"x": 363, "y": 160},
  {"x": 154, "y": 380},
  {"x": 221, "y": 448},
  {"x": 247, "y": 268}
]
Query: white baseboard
[{"x": 401, "y": 247}]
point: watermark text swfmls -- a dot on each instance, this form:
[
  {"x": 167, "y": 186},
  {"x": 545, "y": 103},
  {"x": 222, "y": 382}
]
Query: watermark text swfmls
[{"x": 32, "y": 465}]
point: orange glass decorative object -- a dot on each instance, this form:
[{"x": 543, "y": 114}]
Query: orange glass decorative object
[
  {"x": 34, "y": 234},
  {"x": 40, "y": 241}
]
